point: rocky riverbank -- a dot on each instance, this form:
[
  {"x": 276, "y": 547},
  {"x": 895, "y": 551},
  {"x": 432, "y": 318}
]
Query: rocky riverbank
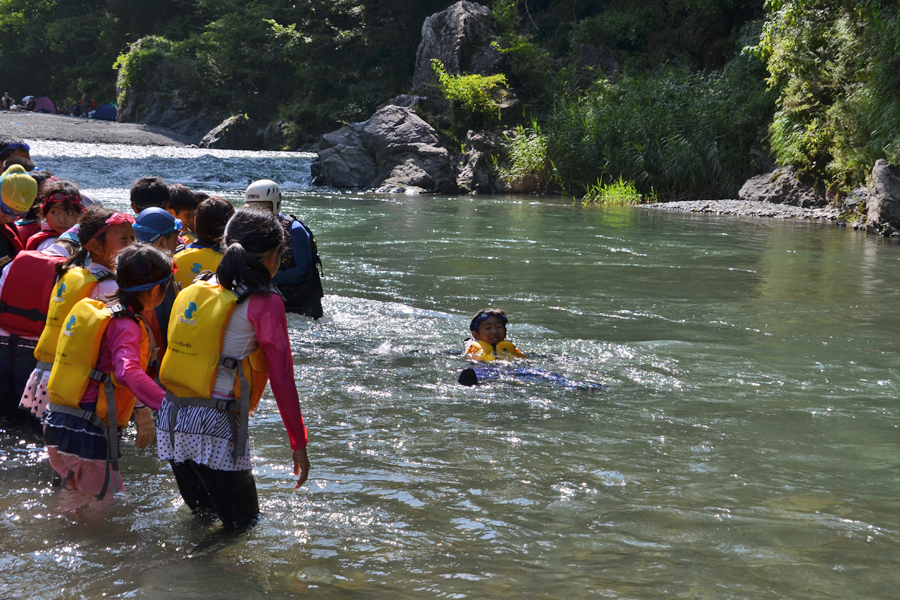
[
  {"x": 40, "y": 126},
  {"x": 750, "y": 208}
]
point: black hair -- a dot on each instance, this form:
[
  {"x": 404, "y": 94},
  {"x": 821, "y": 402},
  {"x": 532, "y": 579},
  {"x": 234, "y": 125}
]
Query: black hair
[
  {"x": 5, "y": 141},
  {"x": 94, "y": 220},
  {"x": 41, "y": 177},
  {"x": 210, "y": 219},
  {"x": 25, "y": 163},
  {"x": 486, "y": 313},
  {"x": 201, "y": 196},
  {"x": 181, "y": 198},
  {"x": 147, "y": 192},
  {"x": 67, "y": 188},
  {"x": 250, "y": 235},
  {"x": 136, "y": 265}
]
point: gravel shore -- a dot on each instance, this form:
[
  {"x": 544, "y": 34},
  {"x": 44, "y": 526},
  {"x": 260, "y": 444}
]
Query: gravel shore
[
  {"x": 39, "y": 126},
  {"x": 749, "y": 208}
]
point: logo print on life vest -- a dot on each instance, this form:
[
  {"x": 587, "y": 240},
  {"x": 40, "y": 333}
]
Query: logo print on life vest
[
  {"x": 188, "y": 316},
  {"x": 195, "y": 268},
  {"x": 60, "y": 292},
  {"x": 69, "y": 325}
]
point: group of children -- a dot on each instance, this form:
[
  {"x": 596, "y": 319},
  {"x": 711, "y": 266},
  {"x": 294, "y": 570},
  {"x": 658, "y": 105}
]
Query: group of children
[{"x": 107, "y": 317}]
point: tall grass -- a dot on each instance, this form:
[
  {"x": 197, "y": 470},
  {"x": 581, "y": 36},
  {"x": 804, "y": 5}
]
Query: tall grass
[{"x": 681, "y": 133}]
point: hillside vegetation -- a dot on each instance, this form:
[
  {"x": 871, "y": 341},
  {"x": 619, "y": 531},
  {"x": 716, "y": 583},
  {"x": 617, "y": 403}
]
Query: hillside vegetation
[{"x": 691, "y": 97}]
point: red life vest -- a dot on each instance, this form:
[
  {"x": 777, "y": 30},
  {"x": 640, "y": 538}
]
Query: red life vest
[
  {"x": 36, "y": 240},
  {"x": 26, "y": 292},
  {"x": 26, "y": 230}
]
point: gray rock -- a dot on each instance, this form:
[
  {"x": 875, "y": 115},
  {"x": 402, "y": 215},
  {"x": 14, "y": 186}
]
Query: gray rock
[
  {"x": 234, "y": 133},
  {"x": 394, "y": 149},
  {"x": 783, "y": 186},
  {"x": 883, "y": 204},
  {"x": 460, "y": 37},
  {"x": 477, "y": 173},
  {"x": 343, "y": 167},
  {"x": 592, "y": 55}
]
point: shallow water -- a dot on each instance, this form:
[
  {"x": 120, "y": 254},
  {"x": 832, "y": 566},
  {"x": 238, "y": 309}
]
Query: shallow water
[{"x": 743, "y": 446}]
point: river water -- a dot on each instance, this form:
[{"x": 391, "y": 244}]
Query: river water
[{"x": 744, "y": 444}]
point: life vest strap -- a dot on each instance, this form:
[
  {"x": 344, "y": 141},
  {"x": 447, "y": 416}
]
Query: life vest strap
[
  {"x": 239, "y": 421},
  {"x": 32, "y": 314}
]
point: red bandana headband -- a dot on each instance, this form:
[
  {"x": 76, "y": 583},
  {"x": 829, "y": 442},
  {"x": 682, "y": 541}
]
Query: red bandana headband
[
  {"x": 60, "y": 197},
  {"x": 115, "y": 219}
]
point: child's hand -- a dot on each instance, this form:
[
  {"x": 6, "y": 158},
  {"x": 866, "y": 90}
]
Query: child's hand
[
  {"x": 146, "y": 431},
  {"x": 301, "y": 466}
]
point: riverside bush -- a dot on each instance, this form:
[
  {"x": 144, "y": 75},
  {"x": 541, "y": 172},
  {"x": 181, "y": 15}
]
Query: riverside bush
[
  {"x": 684, "y": 134},
  {"x": 530, "y": 169},
  {"x": 616, "y": 193},
  {"x": 471, "y": 97}
]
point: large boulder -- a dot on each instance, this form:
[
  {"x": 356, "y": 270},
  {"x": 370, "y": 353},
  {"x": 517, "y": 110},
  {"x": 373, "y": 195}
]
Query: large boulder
[
  {"x": 234, "y": 133},
  {"x": 460, "y": 37},
  {"x": 394, "y": 151},
  {"x": 883, "y": 204},
  {"x": 783, "y": 186}
]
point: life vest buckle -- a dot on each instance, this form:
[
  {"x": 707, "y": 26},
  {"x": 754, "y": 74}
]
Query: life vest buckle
[
  {"x": 98, "y": 376},
  {"x": 230, "y": 363}
]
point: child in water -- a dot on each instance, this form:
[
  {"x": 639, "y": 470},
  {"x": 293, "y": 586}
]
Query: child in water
[
  {"x": 61, "y": 205},
  {"x": 102, "y": 234},
  {"x": 489, "y": 342},
  {"x": 89, "y": 405}
]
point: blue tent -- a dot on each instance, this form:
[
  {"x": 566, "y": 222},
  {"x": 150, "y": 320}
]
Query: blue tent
[{"x": 107, "y": 112}]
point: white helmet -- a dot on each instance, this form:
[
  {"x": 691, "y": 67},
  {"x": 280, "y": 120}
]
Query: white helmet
[{"x": 264, "y": 191}]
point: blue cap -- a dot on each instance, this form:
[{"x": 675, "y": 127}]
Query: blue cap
[{"x": 153, "y": 223}]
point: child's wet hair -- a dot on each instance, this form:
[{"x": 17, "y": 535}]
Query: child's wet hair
[
  {"x": 149, "y": 191},
  {"x": 210, "y": 220},
  {"x": 139, "y": 265},
  {"x": 486, "y": 313},
  {"x": 67, "y": 189},
  {"x": 94, "y": 220},
  {"x": 250, "y": 235}
]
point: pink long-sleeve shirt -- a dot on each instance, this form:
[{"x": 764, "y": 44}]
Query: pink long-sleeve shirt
[{"x": 266, "y": 313}]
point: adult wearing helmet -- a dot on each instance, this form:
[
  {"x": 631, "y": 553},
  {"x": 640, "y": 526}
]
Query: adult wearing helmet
[{"x": 298, "y": 277}]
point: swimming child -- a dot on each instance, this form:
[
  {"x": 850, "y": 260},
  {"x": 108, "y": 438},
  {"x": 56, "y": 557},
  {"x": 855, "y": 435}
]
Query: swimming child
[
  {"x": 61, "y": 205},
  {"x": 205, "y": 253},
  {"x": 99, "y": 376},
  {"x": 102, "y": 234},
  {"x": 211, "y": 389},
  {"x": 488, "y": 328}
]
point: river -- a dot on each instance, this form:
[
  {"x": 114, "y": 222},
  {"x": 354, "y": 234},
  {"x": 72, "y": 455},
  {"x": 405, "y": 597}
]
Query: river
[{"x": 744, "y": 443}]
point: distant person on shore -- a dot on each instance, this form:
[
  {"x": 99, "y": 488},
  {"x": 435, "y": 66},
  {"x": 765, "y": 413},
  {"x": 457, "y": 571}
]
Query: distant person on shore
[
  {"x": 28, "y": 102},
  {"x": 7, "y": 101},
  {"x": 182, "y": 204},
  {"x": 62, "y": 207},
  {"x": 148, "y": 192},
  {"x": 488, "y": 342},
  {"x": 205, "y": 253},
  {"x": 17, "y": 194},
  {"x": 298, "y": 277}
]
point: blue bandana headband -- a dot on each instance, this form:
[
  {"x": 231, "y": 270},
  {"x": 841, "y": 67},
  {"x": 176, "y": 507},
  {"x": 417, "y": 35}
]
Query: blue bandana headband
[
  {"x": 16, "y": 146},
  {"x": 473, "y": 326},
  {"x": 147, "y": 286}
]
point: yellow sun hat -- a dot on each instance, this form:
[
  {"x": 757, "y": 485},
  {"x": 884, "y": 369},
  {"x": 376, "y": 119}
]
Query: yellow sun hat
[{"x": 17, "y": 189}]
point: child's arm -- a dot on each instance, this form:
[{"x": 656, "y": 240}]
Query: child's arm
[{"x": 124, "y": 338}]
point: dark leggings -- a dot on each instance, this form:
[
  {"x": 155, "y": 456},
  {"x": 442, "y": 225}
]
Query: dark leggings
[
  {"x": 17, "y": 361},
  {"x": 232, "y": 494}
]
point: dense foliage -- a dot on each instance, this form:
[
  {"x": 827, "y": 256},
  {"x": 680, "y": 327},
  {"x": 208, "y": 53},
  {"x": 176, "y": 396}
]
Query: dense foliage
[{"x": 683, "y": 97}]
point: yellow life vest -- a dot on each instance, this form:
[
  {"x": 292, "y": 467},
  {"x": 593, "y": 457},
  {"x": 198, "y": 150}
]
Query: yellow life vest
[
  {"x": 76, "y": 284},
  {"x": 480, "y": 350},
  {"x": 76, "y": 359},
  {"x": 196, "y": 334},
  {"x": 189, "y": 263}
]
